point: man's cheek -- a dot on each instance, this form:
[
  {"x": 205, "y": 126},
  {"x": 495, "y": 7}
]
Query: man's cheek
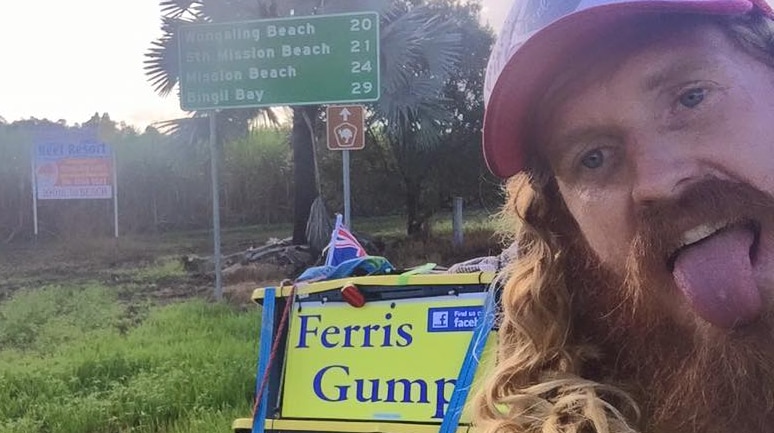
[
  {"x": 605, "y": 222},
  {"x": 610, "y": 242}
]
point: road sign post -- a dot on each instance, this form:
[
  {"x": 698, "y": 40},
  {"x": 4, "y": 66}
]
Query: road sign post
[
  {"x": 346, "y": 131},
  {"x": 215, "y": 177},
  {"x": 321, "y": 59},
  {"x": 347, "y": 193}
]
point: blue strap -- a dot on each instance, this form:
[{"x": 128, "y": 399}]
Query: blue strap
[
  {"x": 267, "y": 335},
  {"x": 469, "y": 365}
]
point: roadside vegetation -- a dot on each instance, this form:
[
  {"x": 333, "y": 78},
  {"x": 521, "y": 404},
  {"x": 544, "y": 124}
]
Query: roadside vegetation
[
  {"x": 76, "y": 359},
  {"x": 122, "y": 339}
]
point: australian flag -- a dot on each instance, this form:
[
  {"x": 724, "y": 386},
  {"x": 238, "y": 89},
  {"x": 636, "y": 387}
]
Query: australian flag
[{"x": 344, "y": 246}]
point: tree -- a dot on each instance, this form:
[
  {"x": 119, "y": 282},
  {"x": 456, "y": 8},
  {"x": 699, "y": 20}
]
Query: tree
[
  {"x": 423, "y": 44},
  {"x": 458, "y": 168}
]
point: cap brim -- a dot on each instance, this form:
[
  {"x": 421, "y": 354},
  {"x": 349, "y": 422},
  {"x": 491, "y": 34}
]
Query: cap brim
[{"x": 527, "y": 73}]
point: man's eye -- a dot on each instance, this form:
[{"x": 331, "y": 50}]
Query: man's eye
[
  {"x": 593, "y": 159},
  {"x": 692, "y": 97}
]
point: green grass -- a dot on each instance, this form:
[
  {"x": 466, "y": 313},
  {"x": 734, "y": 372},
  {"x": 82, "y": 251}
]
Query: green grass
[
  {"x": 165, "y": 268},
  {"x": 69, "y": 363},
  {"x": 472, "y": 222},
  {"x": 441, "y": 223}
]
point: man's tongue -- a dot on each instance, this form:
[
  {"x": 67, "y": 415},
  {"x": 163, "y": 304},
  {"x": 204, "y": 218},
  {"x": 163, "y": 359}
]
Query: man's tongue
[{"x": 717, "y": 278}]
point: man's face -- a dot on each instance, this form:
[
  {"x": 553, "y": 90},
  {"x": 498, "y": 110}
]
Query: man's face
[{"x": 682, "y": 131}]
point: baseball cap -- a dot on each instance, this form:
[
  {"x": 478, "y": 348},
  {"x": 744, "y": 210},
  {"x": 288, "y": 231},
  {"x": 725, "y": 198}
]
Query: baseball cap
[{"x": 535, "y": 40}]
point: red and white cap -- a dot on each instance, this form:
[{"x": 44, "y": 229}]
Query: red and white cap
[{"x": 536, "y": 39}]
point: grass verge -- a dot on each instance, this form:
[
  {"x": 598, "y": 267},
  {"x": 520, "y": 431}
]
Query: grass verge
[{"x": 69, "y": 363}]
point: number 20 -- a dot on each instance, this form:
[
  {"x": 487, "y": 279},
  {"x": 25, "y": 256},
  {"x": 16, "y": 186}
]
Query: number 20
[{"x": 356, "y": 25}]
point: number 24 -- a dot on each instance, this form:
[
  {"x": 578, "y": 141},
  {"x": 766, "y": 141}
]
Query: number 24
[{"x": 358, "y": 67}]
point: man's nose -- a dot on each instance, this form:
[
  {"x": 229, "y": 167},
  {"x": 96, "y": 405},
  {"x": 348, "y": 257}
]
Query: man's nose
[{"x": 662, "y": 171}]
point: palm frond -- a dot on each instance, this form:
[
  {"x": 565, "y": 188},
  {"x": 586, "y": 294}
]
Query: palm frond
[
  {"x": 161, "y": 65},
  {"x": 267, "y": 116},
  {"x": 342, "y": 6},
  {"x": 178, "y": 8},
  {"x": 400, "y": 48},
  {"x": 161, "y": 60},
  {"x": 442, "y": 51},
  {"x": 295, "y": 7},
  {"x": 231, "y": 124},
  {"x": 420, "y": 52},
  {"x": 187, "y": 129},
  {"x": 232, "y": 10},
  {"x": 416, "y": 42}
]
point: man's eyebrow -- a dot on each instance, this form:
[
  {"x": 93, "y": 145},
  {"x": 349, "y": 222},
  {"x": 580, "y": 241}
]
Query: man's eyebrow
[
  {"x": 566, "y": 139},
  {"x": 675, "y": 69}
]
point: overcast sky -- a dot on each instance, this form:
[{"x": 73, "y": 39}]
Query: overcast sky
[{"x": 70, "y": 59}]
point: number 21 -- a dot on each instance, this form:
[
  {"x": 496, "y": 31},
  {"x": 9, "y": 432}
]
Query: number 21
[{"x": 356, "y": 46}]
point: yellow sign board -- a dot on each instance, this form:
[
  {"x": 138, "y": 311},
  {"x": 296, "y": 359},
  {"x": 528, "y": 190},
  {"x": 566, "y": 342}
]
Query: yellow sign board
[{"x": 389, "y": 360}]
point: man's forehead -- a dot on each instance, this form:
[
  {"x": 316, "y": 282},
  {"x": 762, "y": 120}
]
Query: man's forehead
[
  {"x": 644, "y": 64},
  {"x": 676, "y": 66}
]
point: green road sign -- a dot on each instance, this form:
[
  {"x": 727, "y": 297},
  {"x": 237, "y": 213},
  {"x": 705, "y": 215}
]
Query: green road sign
[{"x": 322, "y": 59}]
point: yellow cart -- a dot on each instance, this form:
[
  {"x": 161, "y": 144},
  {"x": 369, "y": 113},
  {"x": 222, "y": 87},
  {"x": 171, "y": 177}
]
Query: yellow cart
[{"x": 372, "y": 354}]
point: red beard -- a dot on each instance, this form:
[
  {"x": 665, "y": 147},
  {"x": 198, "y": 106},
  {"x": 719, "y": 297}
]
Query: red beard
[{"x": 686, "y": 374}]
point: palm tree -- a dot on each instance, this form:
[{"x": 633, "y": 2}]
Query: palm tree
[{"x": 418, "y": 52}]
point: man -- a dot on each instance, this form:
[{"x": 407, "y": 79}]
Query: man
[{"x": 638, "y": 140}]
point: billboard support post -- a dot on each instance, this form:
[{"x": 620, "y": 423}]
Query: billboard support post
[{"x": 34, "y": 195}]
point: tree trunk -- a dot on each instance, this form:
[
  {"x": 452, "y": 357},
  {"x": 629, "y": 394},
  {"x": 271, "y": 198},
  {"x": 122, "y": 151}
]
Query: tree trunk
[
  {"x": 304, "y": 185},
  {"x": 415, "y": 223}
]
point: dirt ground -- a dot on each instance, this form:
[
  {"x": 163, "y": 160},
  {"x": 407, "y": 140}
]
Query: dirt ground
[
  {"x": 136, "y": 269},
  {"x": 151, "y": 269}
]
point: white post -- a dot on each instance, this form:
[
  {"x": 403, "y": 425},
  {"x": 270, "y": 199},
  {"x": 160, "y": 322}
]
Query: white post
[
  {"x": 457, "y": 222},
  {"x": 215, "y": 205},
  {"x": 115, "y": 194},
  {"x": 34, "y": 194},
  {"x": 347, "y": 221}
]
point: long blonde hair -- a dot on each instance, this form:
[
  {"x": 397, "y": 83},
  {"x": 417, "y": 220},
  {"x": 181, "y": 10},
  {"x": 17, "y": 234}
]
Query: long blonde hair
[{"x": 537, "y": 376}]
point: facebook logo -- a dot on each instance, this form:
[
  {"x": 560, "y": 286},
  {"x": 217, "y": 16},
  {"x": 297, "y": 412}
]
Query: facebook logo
[
  {"x": 440, "y": 319},
  {"x": 451, "y": 319}
]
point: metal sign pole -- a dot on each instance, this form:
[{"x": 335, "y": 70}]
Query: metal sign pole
[
  {"x": 345, "y": 159},
  {"x": 115, "y": 194},
  {"x": 34, "y": 194},
  {"x": 215, "y": 205}
]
